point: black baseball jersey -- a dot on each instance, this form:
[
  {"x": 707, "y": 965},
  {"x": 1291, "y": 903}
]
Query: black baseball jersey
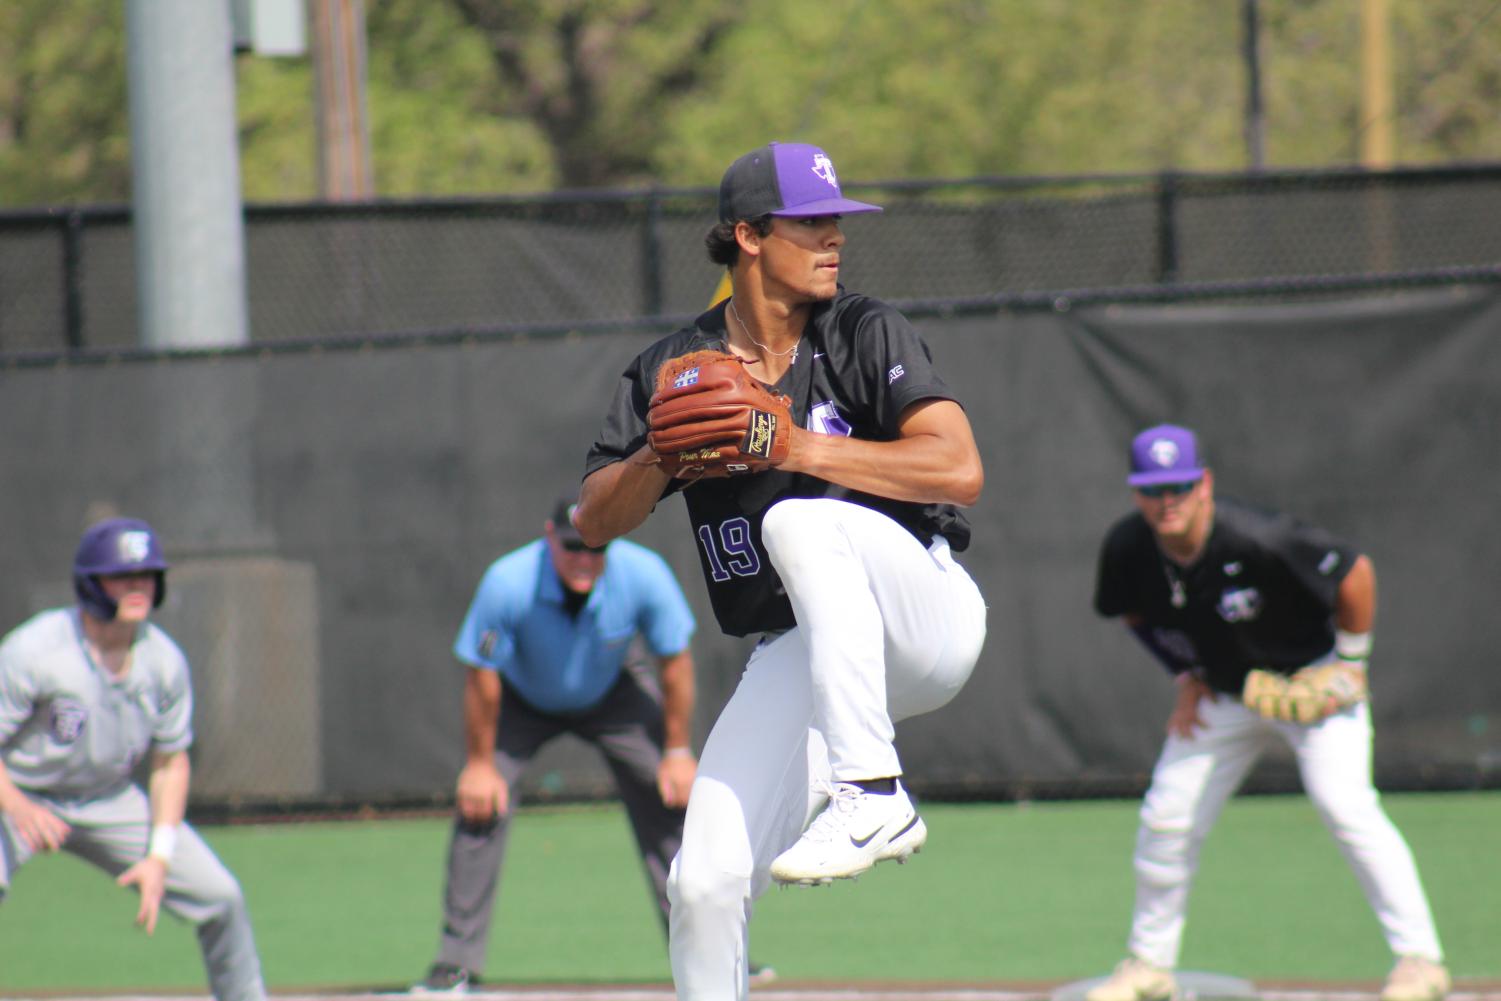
[
  {"x": 859, "y": 365},
  {"x": 1262, "y": 594}
]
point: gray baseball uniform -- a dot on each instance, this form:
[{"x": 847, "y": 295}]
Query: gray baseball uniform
[{"x": 70, "y": 736}]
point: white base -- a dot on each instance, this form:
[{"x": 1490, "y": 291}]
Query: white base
[{"x": 1193, "y": 985}]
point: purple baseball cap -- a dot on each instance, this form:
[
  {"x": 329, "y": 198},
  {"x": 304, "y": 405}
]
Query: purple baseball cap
[
  {"x": 786, "y": 179},
  {"x": 1164, "y": 454}
]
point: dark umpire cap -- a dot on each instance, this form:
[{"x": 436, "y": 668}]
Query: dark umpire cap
[
  {"x": 1164, "y": 454},
  {"x": 562, "y": 518},
  {"x": 787, "y": 179}
]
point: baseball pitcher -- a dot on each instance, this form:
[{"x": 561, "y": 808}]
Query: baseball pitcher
[{"x": 823, "y": 462}]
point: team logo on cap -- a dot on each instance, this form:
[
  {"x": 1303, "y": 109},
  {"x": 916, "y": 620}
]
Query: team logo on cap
[
  {"x": 134, "y": 546},
  {"x": 824, "y": 168},
  {"x": 1164, "y": 452},
  {"x": 68, "y": 718}
]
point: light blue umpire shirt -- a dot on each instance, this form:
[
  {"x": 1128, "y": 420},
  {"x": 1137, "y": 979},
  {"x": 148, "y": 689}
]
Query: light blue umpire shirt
[{"x": 518, "y": 625}]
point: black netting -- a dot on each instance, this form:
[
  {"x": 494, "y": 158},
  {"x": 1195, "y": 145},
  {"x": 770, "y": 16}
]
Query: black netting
[
  {"x": 328, "y": 511},
  {"x": 613, "y": 257}
]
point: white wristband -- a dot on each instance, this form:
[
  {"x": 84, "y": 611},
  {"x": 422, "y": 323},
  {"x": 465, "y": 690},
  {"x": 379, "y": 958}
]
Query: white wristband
[
  {"x": 678, "y": 752},
  {"x": 163, "y": 842},
  {"x": 1352, "y": 646}
]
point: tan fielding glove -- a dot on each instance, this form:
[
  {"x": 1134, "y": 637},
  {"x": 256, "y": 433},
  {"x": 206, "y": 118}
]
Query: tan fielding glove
[{"x": 1308, "y": 695}]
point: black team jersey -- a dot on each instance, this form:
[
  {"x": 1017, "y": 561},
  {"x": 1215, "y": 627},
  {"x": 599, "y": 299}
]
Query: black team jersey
[
  {"x": 859, "y": 364},
  {"x": 1261, "y": 594}
]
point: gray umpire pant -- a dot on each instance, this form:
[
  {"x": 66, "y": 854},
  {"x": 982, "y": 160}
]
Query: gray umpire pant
[
  {"x": 111, "y": 832},
  {"x": 626, "y": 727}
]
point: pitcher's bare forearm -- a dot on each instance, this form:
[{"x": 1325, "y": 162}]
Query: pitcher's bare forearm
[
  {"x": 935, "y": 460},
  {"x": 619, "y": 497}
]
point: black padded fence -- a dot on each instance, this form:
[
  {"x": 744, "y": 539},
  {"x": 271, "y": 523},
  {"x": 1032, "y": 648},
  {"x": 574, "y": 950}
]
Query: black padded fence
[
  {"x": 329, "y": 511},
  {"x": 585, "y": 259}
]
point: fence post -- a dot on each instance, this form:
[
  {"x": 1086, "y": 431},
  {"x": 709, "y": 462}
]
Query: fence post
[
  {"x": 73, "y": 279},
  {"x": 1167, "y": 228},
  {"x": 651, "y": 255}
]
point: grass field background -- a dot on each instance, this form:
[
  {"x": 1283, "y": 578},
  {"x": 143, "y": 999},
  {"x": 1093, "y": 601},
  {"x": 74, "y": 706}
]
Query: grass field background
[{"x": 1003, "y": 893}]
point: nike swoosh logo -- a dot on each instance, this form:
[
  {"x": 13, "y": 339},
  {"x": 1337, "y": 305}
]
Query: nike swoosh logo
[{"x": 862, "y": 842}]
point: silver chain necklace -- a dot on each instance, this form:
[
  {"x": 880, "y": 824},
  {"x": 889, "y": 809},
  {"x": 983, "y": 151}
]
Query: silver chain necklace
[
  {"x": 1179, "y": 596},
  {"x": 780, "y": 354}
]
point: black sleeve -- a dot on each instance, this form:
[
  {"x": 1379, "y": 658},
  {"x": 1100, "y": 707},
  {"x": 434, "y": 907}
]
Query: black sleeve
[
  {"x": 896, "y": 363},
  {"x": 1113, "y": 592},
  {"x": 1316, "y": 559},
  {"x": 624, "y": 428}
]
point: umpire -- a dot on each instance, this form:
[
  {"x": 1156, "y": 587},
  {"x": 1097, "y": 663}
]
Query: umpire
[{"x": 551, "y": 625}]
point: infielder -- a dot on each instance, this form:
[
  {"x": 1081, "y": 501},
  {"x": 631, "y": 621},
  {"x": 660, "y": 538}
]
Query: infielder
[
  {"x": 545, "y": 645},
  {"x": 1265, "y": 623},
  {"x": 831, "y": 538},
  {"x": 85, "y": 693}
]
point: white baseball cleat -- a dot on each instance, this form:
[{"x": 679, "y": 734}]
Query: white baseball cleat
[
  {"x": 1135, "y": 980},
  {"x": 854, "y": 832},
  {"x": 1416, "y": 978}
]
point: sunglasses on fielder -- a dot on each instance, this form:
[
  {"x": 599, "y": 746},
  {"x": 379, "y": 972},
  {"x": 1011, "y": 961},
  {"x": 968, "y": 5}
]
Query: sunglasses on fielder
[
  {"x": 577, "y": 546},
  {"x": 1167, "y": 489}
]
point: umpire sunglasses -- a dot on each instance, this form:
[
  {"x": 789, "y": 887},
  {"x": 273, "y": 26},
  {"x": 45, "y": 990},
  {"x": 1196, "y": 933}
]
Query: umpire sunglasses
[{"x": 577, "y": 546}]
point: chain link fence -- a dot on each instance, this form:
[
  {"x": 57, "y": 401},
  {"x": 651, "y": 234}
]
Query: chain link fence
[{"x": 583, "y": 260}]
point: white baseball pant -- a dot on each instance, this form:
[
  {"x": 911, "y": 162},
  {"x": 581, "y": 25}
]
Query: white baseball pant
[
  {"x": 1194, "y": 778},
  {"x": 886, "y": 630}
]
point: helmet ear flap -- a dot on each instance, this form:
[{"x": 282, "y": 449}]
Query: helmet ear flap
[{"x": 92, "y": 597}]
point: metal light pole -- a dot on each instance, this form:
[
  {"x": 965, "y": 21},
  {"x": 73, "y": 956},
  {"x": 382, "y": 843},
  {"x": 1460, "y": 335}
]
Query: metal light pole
[{"x": 185, "y": 164}]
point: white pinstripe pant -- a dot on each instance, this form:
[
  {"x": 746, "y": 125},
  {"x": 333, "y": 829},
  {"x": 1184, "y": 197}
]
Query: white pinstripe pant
[{"x": 886, "y": 630}]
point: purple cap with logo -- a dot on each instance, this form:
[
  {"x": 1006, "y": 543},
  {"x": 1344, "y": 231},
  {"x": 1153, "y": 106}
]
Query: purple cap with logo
[
  {"x": 1164, "y": 454},
  {"x": 787, "y": 179}
]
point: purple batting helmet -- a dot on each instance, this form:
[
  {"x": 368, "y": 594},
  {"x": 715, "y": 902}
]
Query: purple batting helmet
[{"x": 115, "y": 546}]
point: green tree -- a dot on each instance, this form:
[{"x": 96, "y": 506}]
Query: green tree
[
  {"x": 594, "y": 76},
  {"x": 64, "y": 135},
  {"x": 489, "y": 96}
]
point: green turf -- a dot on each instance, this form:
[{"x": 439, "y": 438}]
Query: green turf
[{"x": 1003, "y": 892}]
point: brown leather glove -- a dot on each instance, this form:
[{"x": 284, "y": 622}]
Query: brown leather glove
[{"x": 709, "y": 417}]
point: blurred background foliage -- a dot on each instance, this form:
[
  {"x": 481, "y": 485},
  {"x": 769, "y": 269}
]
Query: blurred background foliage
[{"x": 483, "y": 97}]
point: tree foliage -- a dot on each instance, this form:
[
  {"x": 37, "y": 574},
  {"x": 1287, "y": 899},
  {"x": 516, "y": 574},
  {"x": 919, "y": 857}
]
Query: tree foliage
[
  {"x": 64, "y": 133},
  {"x": 487, "y": 96}
]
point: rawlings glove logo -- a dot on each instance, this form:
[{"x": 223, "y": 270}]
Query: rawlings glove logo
[{"x": 763, "y": 430}]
